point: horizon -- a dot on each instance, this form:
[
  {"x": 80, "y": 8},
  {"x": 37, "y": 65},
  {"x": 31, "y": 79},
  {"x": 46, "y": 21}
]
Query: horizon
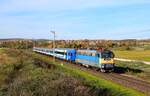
[
  {"x": 67, "y": 39},
  {"x": 75, "y": 20}
]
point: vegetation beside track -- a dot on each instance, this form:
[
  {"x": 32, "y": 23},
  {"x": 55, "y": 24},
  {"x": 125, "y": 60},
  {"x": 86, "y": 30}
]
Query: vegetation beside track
[
  {"x": 27, "y": 74},
  {"x": 143, "y": 55},
  {"x": 93, "y": 81},
  {"x": 136, "y": 69}
]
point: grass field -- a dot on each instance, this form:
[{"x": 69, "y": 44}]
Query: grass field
[
  {"x": 96, "y": 82},
  {"x": 134, "y": 55},
  {"x": 22, "y": 75},
  {"x": 136, "y": 69}
]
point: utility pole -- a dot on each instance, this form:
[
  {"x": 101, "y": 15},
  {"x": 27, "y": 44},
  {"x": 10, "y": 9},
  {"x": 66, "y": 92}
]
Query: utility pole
[
  {"x": 32, "y": 43},
  {"x": 26, "y": 41},
  {"x": 53, "y": 32}
]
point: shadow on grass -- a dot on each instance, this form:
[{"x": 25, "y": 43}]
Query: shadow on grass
[
  {"x": 42, "y": 64},
  {"x": 120, "y": 70}
]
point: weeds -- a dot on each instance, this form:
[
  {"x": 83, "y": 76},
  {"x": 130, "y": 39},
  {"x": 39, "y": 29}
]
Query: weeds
[
  {"x": 36, "y": 75},
  {"x": 137, "y": 69},
  {"x": 101, "y": 87}
]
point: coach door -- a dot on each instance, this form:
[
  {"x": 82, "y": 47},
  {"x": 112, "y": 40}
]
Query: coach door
[
  {"x": 69, "y": 56},
  {"x": 98, "y": 59},
  {"x": 72, "y": 56}
]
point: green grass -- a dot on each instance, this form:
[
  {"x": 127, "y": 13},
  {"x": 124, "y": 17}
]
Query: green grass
[
  {"x": 115, "y": 90},
  {"x": 27, "y": 78},
  {"x": 24, "y": 77},
  {"x": 136, "y": 69},
  {"x": 96, "y": 82},
  {"x": 1, "y": 50},
  {"x": 134, "y": 55}
]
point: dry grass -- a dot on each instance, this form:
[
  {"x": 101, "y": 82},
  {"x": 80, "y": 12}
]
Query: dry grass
[
  {"x": 134, "y": 55},
  {"x": 25, "y": 77},
  {"x": 136, "y": 69},
  {"x": 99, "y": 85}
]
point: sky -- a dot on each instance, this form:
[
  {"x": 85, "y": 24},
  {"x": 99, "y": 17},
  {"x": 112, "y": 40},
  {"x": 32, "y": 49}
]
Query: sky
[{"x": 75, "y": 19}]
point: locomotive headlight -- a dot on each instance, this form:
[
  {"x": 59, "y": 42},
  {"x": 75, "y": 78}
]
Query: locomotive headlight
[{"x": 102, "y": 66}]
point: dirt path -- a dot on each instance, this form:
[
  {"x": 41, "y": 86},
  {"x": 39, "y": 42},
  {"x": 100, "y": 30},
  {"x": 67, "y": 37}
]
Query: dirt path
[{"x": 128, "y": 60}]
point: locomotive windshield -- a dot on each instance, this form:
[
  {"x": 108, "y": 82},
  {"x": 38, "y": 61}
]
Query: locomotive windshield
[{"x": 107, "y": 54}]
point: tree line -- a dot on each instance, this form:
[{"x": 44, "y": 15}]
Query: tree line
[{"x": 77, "y": 44}]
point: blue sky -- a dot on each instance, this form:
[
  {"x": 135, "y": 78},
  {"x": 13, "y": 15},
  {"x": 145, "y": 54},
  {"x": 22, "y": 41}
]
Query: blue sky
[{"x": 75, "y": 19}]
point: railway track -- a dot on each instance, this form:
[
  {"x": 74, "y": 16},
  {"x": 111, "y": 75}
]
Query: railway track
[
  {"x": 129, "y": 82},
  {"x": 139, "y": 85}
]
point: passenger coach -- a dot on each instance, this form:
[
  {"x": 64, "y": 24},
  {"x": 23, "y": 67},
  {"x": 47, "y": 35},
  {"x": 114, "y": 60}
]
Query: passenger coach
[{"x": 65, "y": 54}]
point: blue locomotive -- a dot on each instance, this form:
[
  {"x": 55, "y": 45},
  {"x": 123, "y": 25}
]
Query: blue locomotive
[{"x": 103, "y": 60}]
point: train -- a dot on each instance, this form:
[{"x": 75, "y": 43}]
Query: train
[{"x": 103, "y": 60}]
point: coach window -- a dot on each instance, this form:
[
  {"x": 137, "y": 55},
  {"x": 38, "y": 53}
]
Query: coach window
[
  {"x": 90, "y": 54},
  {"x": 93, "y": 54},
  {"x": 78, "y": 53}
]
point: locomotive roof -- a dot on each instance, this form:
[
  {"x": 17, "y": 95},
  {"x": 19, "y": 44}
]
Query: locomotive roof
[{"x": 89, "y": 51}]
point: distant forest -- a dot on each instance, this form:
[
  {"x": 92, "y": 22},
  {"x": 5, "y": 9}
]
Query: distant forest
[{"x": 130, "y": 44}]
